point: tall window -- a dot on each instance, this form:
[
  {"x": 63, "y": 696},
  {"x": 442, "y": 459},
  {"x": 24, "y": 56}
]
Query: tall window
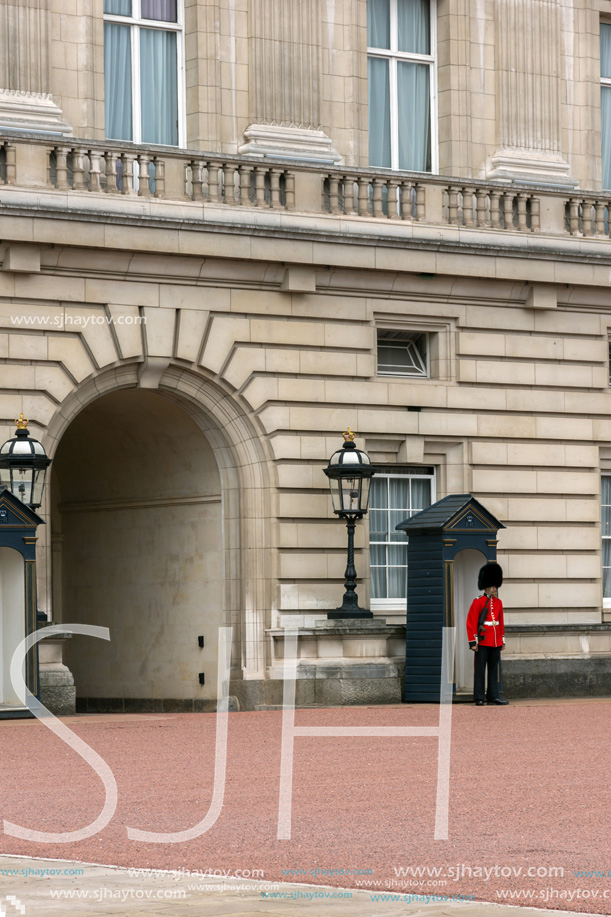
[
  {"x": 396, "y": 494},
  {"x": 401, "y": 81},
  {"x": 606, "y": 533},
  {"x": 605, "y": 101},
  {"x": 142, "y": 51}
]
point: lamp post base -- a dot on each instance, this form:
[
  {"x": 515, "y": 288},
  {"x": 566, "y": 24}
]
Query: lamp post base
[{"x": 349, "y": 613}]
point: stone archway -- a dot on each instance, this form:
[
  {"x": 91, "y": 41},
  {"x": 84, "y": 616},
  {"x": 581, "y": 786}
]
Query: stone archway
[{"x": 138, "y": 536}]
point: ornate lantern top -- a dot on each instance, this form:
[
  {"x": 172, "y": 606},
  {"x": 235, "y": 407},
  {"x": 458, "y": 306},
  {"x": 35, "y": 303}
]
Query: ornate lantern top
[
  {"x": 349, "y": 472},
  {"x": 23, "y": 465},
  {"x": 349, "y": 459}
]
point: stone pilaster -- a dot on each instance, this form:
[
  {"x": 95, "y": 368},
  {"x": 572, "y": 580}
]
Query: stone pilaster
[
  {"x": 528, "y": 55},
  {"x": 285, "y": 80},
  {"x": 25, "y": 99}
]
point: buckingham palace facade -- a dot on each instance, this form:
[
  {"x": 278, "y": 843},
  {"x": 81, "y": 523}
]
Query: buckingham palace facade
[{"x": 232, "y": 229}]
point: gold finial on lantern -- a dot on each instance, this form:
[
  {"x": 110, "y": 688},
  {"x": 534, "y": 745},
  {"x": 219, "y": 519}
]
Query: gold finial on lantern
[
  {"x": 349, "y": 436},
  {"x": 21, "y": 422}
]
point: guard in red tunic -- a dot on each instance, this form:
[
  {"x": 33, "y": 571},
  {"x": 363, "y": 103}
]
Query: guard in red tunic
[{"x": 486, "y": 635}]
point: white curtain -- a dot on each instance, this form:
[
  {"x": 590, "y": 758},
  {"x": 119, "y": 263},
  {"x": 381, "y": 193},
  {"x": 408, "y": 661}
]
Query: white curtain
[
  {"x": 413, "y": 26},
  {"x": 605, "y": 118},
  {"x": 606, "y": 568},
  {"x": 414, "y": 116},
  {"x": 378, "y": 92},
  {"x": 392, "y": 500},
  {"x": 118, "y": 7},
  {"x": 162, "y": 10},
  {"x": 117, "y": 81},
  {"x": 378, "y": 23},
  {"x": 159, "y": 91}
]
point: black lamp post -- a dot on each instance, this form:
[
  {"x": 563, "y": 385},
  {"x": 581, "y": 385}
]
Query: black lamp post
[
  {"x": 23, "y": 465},
  {"x": 350, "y": 472}
]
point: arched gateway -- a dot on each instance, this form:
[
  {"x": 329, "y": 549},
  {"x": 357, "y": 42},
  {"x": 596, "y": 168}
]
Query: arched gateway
[{"x": 158, "y": 532}]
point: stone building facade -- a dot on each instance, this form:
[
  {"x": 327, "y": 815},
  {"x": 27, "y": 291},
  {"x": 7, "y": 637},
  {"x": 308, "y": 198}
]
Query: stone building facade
[{"x": 334, "y": 224}]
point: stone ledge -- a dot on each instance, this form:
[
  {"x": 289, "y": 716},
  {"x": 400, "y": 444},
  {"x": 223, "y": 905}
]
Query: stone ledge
[
  {"x": 150, "y": 705},
  {"x": 557, "y": 677}
]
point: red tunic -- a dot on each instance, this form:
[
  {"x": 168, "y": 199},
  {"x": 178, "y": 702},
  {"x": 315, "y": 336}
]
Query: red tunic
[{"x": 494, "y": 628}]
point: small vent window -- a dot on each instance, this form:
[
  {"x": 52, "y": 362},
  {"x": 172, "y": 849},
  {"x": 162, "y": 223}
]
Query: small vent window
[{"x": 401, "y": 354}]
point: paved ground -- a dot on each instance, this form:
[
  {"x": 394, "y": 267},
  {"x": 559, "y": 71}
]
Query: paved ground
[
  {"x": 530, "y": 796},
  {"x": 104, "y": 891}
]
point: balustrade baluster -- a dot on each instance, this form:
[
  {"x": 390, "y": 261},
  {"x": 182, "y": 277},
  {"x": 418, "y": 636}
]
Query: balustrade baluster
[
  {"x": 127, "y": 160},
  {"x": 290, "y": 190},
  {"x": 11, "y": 163},
  {"x": 535, "y": 214},
  {"x": 495, "y": 209},
  {"x": 378, "y": 184},
  {"x": 334, "y": 193},
  {"x": 453, "y": 204},
  {"x": 587, "y": 221},
  {"x": 245, "y": 172},
  {"x": 94, "y": 170},
  {"x": 406, "y": 200},
  {"x": 468, "y": 196},
  {"x": 112, "y": 183},
  {"x": 508, "y": 209},
  {"x": 275, "y": 188},
  {"x": 351, "y": 202},
  {"x": 573, "y": 216},
  {"x": 420, "y": 202},
  {"x": 61, "y": 168},
  {"x": 143, "y": 175},
  {"x": 363, "y": 197},
  {"x": 600, "y": 218},
  {"x": 230, "y": 189},
  {"x": 522, "y": 224},
  {"x": 197, "y": 192},
  {"x": 78, "y": 170},
  {"x": 213, "y": 181},
  {"x": 481, "y": 196},
  {"x": 394, "y": 207},
  {"x": 260, "y": 172}
]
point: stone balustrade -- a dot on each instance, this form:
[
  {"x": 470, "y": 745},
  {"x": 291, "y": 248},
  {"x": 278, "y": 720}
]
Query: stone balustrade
[{"x": 122, "y": 169}]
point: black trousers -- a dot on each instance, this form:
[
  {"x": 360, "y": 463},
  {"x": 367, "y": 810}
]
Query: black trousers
[{"x": 487, "y": 657}]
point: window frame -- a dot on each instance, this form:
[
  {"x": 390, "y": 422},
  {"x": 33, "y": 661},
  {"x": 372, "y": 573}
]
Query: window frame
[
  {"x": 393, "y": 56},
  {"x": 396, "y": 604},
  {"x": 135, "y": 22}
]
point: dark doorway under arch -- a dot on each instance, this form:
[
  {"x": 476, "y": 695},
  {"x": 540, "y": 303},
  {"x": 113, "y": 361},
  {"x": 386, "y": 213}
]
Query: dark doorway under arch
[{"x": 138, "y": 547}]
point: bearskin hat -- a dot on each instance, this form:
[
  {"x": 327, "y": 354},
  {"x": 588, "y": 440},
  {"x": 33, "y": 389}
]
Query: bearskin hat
[{"x": 491, "y": 574}]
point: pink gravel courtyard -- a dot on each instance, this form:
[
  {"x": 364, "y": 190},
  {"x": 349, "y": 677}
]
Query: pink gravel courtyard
[{"x": 530, "y": 790}]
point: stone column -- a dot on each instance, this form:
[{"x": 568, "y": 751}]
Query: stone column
[
  {"x": 528, "y": 68},
  {"x": 25, "y": 99},
  {"x": 285, "y": 81}
]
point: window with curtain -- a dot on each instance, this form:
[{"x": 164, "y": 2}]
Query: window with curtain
[
  {"x": 396, "y": 494},
  {"x": 605, "y": 102},
  {"x": 401, "y": 82},
  {"x": 606, "y": 537},
  {"x": 143, "y": 42}
]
